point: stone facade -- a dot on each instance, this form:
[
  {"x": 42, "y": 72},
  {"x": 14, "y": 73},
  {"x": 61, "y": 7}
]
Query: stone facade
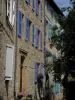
[
  {"x": 28, "y": 50},
  {"x": 7, "y": 35},
  {"x": 51, "y": 15}
]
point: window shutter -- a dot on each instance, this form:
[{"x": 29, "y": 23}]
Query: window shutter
[
  {"x": 26, "y": 28},
  {"x": 41, "y": 10},
  {"x": 36, "y": 71},
  {"x": 36, "y": 7},
  {"x": 11, "y": 7},
  {"x": 33, "y": 34},
  {"x": 37, "y": 37},
  {"x": 9, "y": 62},
  {"x": 41, "y": 40},
  {"x": 13, "y": 14},
  {"x": 33, "y": 4},
  {"x": 57, "y": 87},
  {"x": 19, "y": 23},
  {"x": 8, "y": 8}
]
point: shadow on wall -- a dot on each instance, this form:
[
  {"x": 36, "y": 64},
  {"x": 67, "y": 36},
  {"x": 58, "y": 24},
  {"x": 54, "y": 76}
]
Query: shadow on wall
[{"x": 7, "y": 86}]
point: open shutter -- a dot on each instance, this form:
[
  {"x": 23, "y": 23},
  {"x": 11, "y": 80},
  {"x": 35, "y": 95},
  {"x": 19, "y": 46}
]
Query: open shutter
[
  {"x": 26, "y": 28},
  {"x": 13, "y": 14},
  {"x": 41, "y": 10},
  {"x": 36, "y": 7},
  {"x": 33, "y": 34},
  {"x": 9, "y": 62},
  {"x": 36, "y": 71},
  {"x": 37, "y": 37},
  {"x": 19, "y": 23}
]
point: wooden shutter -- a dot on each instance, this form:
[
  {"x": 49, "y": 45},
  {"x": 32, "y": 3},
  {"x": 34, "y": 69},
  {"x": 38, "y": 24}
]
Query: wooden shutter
[
  {"x": 26, "y": 28},
  {"x": 9, "y": 62},
  {"x": 19, "y": 23},
  {"x": 57, "y": 87},
  {"x": 36, "y": 7},
  {"x": 33, "y": 4},
  {"x": 13, "y": 13},
  {"x": 36, "y": 71},
  {"x": 41, "y": 10},
  {"x": 37, "y": 37},
  {"x": 33, "y": 34},
  {"x": 41, "y": 40}
]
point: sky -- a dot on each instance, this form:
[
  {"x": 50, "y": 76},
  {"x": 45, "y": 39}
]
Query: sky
[{"x": 63, "y": 3}]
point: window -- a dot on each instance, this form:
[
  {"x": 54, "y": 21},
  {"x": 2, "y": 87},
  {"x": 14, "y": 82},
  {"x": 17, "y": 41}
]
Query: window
[
  {"x": 57, "y": 87},
  {"x": 27, "y": 28},
  {"x": 19, "y": 23},
  {"x": 33, "y": 33},
  {"x": 38, "y": 39},
  {"x": 11, "y": 11},
  {"x": 38, "y": 70},
  {"x": 9, "y": 62},
  {"x": 41, "y": 10},
  {"x": 37, "y": 4},
  {"x": 33, "y": 4},
  {"x": 49, "y": 31}
]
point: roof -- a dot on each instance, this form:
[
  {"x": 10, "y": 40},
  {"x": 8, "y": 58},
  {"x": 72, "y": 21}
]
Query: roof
[{"x": 55, "y": 7}]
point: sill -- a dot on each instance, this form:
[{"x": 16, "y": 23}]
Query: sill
[
  {"x": 27, "y": 2},
  {"x": 9, "y": 24},
  {"x": 33, "y": 9}
]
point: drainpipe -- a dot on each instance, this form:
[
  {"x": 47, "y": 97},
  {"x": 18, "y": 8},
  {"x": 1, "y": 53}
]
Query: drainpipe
[{"x": 16, "y": 39}]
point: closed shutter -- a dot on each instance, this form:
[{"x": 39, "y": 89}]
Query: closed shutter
[
  {"x": 19, "y": 23},
  {"x": 36, "y": 7},
  {"x": 37, "y": 37},
  {"x": 9, "y": 62},
  {"x": 49, "y": 30},
  {"x": 33, "y": 4},
  {"x": 41, "y": 10},
  {"x": 36, "y": 71},
  {"x": 26, "y": 28},
  {"x": 33, "y": 34},
  {"x": 41, "y": 40},
  {"x": 13, "y": 15},
  {"x": 57, "y": 87}
]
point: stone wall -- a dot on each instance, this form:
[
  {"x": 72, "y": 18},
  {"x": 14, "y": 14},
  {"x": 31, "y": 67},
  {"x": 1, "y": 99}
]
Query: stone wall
[
  {"x": 33, "y": 53},
  {"x": 7, "y": 36}
]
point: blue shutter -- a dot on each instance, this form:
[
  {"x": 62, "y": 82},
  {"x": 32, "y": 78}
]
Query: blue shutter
[
  {"x": 37, "y": 37},
  {"x": 57, "y": 87},
  {"x": 19, "y": 23},
  {"x": 36, "y": 7},
  {"x": 33, "y": 4},
  {"x": 26, "y": 28},
  {"x": 33, "y": 34},
  {"x": 41, "y": 10},
  {"x": 36, "y": 71},
  {"x": 41, "y": 40}
]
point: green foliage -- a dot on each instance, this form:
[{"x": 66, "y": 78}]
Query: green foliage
[{"x": 66, "y": 43}]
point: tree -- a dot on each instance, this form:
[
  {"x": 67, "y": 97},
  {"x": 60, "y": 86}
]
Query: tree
[{"x": 65, "y": 41}]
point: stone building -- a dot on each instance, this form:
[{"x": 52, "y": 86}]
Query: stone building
[
  {"x": 52, "y": 13},
  {"x": 30, "y": 45},
  {"x": 7, "y": 40}
]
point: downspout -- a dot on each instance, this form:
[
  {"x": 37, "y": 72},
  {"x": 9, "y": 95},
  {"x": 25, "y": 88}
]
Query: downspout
[{"x": 16, "y": 39}]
